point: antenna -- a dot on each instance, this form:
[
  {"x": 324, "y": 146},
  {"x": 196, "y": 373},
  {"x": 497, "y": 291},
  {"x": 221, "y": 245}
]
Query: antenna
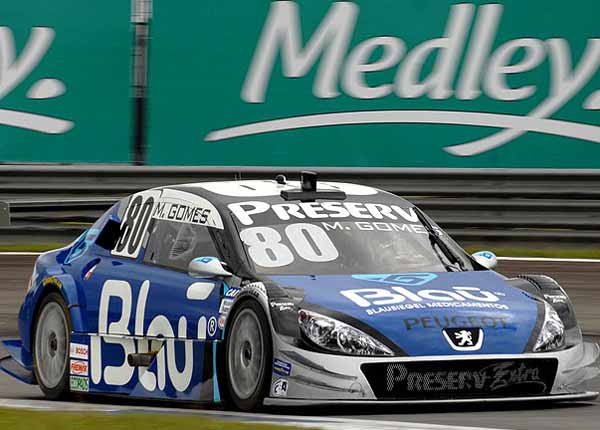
[{"x": 309, "y": 193}]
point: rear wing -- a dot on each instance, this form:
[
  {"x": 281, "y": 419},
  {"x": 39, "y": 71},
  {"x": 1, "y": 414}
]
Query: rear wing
[{"x": 4, "y": 214}]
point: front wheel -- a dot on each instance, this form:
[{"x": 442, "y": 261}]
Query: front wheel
[
  {"x": 51, "y": 346},
  {"x": 248, "y": 356}
]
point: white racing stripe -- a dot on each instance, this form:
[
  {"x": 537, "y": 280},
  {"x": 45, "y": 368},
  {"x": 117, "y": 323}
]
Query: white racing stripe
[{"x": 326, "y": 423}]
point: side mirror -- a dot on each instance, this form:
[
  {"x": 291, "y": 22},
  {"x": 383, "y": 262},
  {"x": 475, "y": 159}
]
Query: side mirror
[
  {"x": 486, "y": 258},
  {"x": 207, "y": 267}
]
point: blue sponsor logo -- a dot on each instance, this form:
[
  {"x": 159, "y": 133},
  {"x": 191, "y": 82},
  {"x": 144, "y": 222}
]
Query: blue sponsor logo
[
  {"x": 281, "y": 367},
  {"x": 204, "y": 259},
  {"x": 404, "y": 279},
  {"x": 485, "y": 254}
]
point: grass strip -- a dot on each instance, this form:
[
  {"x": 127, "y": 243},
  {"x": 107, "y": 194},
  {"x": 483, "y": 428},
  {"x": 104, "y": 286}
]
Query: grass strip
[
  {"x": 24, "y": 419},
  {"x": 30, "y": 247},
  {"x": 593, "y": 253}
]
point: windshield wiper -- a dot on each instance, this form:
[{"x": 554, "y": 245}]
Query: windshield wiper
[{"x": 434, "y": 239}]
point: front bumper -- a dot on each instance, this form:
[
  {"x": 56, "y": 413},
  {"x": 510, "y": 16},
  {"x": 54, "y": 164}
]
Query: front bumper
[{"x": 318, "y": 378}]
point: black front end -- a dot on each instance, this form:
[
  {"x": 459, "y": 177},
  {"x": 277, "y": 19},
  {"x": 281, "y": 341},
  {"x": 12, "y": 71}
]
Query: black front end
[{"x": 461, "y": 379}]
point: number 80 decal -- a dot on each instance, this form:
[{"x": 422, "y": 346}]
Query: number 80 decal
[
  {"x": 135, "y": 224},
  {"x": 310, "y": 242}
]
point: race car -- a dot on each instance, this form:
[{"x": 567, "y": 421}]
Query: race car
[{"x": 277, "y": 292}]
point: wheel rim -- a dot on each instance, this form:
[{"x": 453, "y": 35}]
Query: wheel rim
[
  {"x": 246, "y": 354},
  {"x": 51, "y": 339}
]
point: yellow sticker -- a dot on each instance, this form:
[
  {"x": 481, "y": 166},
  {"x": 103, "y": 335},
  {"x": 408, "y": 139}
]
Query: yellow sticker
[{"x": 52, "y": 280}]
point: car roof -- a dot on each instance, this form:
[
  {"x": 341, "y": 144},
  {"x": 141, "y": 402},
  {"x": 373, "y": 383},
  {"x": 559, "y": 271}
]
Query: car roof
[{"x": 224, "y": 192}]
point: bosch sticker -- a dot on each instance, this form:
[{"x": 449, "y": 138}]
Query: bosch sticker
[{"x": 79, "y": 351}]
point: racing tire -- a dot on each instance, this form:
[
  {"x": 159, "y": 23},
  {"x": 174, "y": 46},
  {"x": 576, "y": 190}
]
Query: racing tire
[
  {"x": 50, "y": 346},
  {"x": 248, "y": 356}
]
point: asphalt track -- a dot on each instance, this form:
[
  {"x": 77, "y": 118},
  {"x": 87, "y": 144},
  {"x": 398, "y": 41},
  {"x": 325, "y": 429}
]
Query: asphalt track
[{"x": 579, "y": 279}]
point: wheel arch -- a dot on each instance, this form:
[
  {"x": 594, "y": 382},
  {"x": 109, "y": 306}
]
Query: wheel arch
[{"x": 67, "y": 288}]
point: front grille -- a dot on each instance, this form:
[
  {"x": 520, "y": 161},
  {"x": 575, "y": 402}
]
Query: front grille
[{"x": 461, "y": 379}]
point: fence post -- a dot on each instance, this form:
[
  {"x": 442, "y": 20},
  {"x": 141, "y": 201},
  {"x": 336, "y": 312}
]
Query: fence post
[
  {"x": 4, "y": 214},
  {"x": 141, "y": 13}
]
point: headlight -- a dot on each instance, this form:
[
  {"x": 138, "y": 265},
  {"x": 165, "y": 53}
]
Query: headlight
[
  {"x": 552, "y": 336},
  {"x": 336, "y": 336}
]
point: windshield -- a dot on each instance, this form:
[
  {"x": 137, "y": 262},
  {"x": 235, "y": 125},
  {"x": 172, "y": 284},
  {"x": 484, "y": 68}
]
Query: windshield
[{"x": 349, "y": 246}]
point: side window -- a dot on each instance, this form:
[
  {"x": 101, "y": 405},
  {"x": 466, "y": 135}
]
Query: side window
[
  {"x": 174, "y": 244},
  {"x": 109, "y": 236}
]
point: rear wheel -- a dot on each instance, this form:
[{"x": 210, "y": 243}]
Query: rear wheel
[
  {"x": 51, "y": 346},
  {"x": 248, "y": 356}
]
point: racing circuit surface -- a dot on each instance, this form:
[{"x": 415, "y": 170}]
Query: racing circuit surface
[{"x": 578, "y": 278}]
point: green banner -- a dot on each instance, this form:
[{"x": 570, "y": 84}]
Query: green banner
[
  {"x": 64, "y": 81},
  {"x": 379, "y": 83},
  {"x": 374, "y": 83}
]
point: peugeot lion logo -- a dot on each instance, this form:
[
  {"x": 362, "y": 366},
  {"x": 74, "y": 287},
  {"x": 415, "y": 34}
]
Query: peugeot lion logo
[{"x": 464, "y": 339}]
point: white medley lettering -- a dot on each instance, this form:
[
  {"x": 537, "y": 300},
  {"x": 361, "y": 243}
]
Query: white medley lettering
[
  {"x": 117, "y": 332},
  {"x": 16, "y": 69},
  {"x": 244, "y": 211},
  {"x": 485, "y": 71}
]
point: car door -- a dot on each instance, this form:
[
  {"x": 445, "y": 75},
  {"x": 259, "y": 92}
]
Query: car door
[
  {"x": 175, "y": 305},
  {"x": 190, "y": 304},
  {"x": 132, "y": 298}
]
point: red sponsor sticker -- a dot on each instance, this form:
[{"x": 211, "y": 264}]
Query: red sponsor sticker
[{"x": 79, "y": 367}]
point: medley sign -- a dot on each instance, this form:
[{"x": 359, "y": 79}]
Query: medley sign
[
  {"x": 483, "y": 70},
  {"x": 64, "y": 81},
  {"x": 364, "y": 83},
  {"x": 387, "y": 83}
]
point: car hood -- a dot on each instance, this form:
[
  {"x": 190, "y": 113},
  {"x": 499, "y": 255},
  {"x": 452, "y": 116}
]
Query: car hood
[{"x": 409, "y": 311}]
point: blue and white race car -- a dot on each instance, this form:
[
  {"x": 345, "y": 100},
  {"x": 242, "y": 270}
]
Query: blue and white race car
[{"x": 276, "y": 292}]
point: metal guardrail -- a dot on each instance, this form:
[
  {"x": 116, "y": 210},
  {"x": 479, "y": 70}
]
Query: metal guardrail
[
  {"x": 473, "y": 205},
  {"x": 4, "y": 214}
]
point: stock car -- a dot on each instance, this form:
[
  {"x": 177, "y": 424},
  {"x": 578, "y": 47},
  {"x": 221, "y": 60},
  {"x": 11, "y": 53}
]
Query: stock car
[{"x": 276, "y": 292}]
